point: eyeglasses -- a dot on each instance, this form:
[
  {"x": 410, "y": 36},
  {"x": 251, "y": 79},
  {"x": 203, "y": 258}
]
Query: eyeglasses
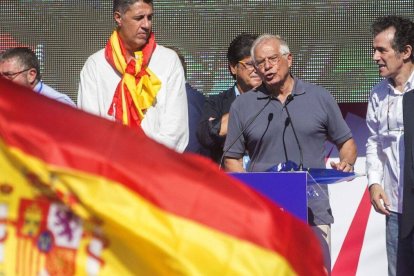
[
  {"x": 247, "y": 65},
  {"x": 12, "y": 76},
  {"x": 273, "y": 60}
]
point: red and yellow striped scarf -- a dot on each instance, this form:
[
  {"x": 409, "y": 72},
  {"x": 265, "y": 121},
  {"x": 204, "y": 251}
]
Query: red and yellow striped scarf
[{"x": 138, "y": 87}]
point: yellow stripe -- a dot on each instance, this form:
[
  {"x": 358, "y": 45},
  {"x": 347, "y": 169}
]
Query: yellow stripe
[
  {"x": 119, "y": 61},
  {"x": 125, "y": 118},
  {"x": 144, "y": 239},
  {"x": 42, "y": 263}
]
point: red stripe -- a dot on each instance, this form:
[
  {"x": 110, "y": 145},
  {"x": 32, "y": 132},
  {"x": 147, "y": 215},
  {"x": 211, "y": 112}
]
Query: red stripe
[
  {"x": 185, "y": 185},
  {"x": 109, "y": 54},
  {"x": 348, "y": 258}
]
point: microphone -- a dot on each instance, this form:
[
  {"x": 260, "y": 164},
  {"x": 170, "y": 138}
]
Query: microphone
[
  {"x": 259, "y": 144},
  {"x": 244, "y": 129},
  {"x": 290, "y": 98},
  {"x": 288, "y": 121}
]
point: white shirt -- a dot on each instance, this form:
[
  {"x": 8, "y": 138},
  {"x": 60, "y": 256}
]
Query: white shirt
[
  {"x": 45, "y": 90},
  {"x": 385, "y": 145},
  {"x": 166, "y": 121}
]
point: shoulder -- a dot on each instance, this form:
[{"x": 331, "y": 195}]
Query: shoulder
[
  {"x": 313, "y": 96},
  {"x": 380, "y": 88},
  {"x": 164, "y": 54},
  {"x": 166, "y": 65},
  {"x": 193, "y": 93},
  {"x": 96, "y": 60},
  {"x": 97, "y": 56},
  {"x": 55, "y": 95},
  {"x": 247, "y": 99},
  {"x": 226, "y": 94},
  {"x": 304, "y": 86},
  {"x": 250, "y": 94}
]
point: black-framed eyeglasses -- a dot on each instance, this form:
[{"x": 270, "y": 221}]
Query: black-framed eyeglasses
[
  {"x": 12, "y": 76},
  {"x": 273, "y": 60},
  {"x": 247, "y": 65}
]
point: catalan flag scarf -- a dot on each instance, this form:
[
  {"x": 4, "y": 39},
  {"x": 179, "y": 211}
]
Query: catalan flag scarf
[{"x": 138, "y": 87}]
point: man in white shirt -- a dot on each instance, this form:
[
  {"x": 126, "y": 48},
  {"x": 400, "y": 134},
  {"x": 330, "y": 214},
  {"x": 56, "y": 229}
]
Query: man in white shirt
[
  {"x": 21, "y": 66},
  {"x": 393, "y": 53},
  {"x": 135, "y": 81}
]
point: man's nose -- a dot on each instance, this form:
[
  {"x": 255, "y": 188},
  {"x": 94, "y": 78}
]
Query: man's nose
[
  {"x": 267, "y": 64},
  {"x": 376, "y": 55},
  {"x": 146, "y": 23}
]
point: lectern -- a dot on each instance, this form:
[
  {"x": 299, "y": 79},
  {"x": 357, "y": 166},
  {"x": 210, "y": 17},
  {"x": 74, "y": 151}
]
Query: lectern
[{"x": 290, "y": 190}]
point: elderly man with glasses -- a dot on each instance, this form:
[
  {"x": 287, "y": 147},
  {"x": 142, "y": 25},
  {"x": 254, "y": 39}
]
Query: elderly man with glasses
[
  {"x": 288, "y": 119},
  {"x": 21, "y": 66}
]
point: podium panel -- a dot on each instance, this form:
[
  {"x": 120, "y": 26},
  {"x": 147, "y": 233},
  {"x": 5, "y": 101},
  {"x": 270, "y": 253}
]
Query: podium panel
[{"x": 287, "y": 189}]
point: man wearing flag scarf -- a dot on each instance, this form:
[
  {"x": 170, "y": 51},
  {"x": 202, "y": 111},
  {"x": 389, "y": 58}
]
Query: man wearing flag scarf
[{"x": 135, "y": 81}]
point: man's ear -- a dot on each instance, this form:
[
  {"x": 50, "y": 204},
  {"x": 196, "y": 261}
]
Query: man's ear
[
  {"x": 233, "y": 68},
  {"x": 31, "y": 75},
  {"x": 407, "y": 52},
  {"x": 289, "y": 59},
  {"x": 117, "y": 18}
]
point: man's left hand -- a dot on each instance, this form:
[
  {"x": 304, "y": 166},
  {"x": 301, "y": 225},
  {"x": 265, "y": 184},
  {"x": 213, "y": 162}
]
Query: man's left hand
[{"x": 342, "y": 166}]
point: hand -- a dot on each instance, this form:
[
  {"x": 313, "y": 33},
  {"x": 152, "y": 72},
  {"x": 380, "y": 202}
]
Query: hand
[
  {"x": 379, "y": 200},
  {"x": 342, "y": 166}
]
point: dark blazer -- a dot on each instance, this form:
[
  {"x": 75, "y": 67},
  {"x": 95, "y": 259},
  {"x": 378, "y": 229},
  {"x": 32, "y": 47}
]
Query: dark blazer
[
  {"x": 407, "y": 222},
  {"x": 208, "y": 131},
  {"x": 196, "y": 102}
]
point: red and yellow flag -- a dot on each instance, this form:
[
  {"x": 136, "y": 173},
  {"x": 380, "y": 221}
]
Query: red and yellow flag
[
  {"x": 80, "y": 195},
  {"x": 138, "y": 86}
]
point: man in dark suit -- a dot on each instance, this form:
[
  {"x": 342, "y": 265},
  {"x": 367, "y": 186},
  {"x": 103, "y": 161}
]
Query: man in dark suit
[{"x": 212, "y": 130}]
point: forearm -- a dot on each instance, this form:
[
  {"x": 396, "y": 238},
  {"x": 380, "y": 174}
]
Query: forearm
[
  {"x": 348, "y": 152},
  {"x": 233, "y": 164}
]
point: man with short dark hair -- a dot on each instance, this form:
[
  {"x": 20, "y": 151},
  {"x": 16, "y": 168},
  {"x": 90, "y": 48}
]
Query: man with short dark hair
[
  {"x": 393, "y": 45},
  {"x": 21, "y": 66},
  {"x": 136, "y": 81},
  {"x": 212, "y": 130}
]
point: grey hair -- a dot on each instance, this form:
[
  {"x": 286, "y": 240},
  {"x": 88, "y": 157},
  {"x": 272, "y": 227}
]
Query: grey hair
[{"x": 284, "y": 48}]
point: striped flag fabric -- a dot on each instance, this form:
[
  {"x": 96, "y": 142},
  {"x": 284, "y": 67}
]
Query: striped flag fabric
[{"x": 80, "y": 195}]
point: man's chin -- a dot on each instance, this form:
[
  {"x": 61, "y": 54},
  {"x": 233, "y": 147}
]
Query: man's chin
[
  {"x": 272, "y": 82},
  {"x": 255, "y": 84},
  {"x": 384, "y": 74},
  {"x": 140, "y": 43}
]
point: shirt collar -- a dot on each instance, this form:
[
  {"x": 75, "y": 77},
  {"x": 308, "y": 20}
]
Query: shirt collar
[
  {"x": 38, "y": 87},
  {"x": 409, "y": 85},
  {"x": 298, "y": 89},
  {"x": 236, "y": 91}
]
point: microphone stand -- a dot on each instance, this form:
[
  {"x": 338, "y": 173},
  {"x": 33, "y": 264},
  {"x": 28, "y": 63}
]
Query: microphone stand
[
  {"x": 243, "y": 130},
  {"x": 294, "y": 132}
]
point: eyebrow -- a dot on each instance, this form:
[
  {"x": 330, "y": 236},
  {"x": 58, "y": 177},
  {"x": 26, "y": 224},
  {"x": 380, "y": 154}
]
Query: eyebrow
[{"x": 143, "y": 15}]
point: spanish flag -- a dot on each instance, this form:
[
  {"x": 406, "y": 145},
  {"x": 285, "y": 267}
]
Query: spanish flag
[{"x": 80, "y": 195}]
